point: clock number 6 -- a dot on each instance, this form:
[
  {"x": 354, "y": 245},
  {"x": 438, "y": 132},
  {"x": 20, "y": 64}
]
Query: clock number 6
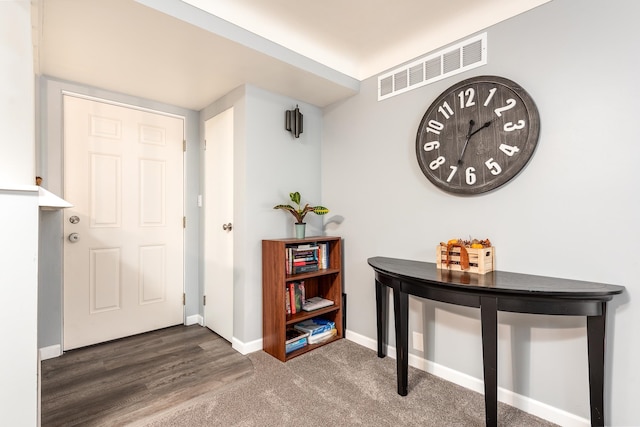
[{"x": 470, "y": 175}]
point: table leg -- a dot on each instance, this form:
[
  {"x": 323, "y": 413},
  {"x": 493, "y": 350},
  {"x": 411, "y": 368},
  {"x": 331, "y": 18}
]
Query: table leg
[
  {"x": 489, "y": 319},
  {"x": 381, "y": 317},
  {"x": 401, "y": 309},
  {"x": 596, "y": 346}
]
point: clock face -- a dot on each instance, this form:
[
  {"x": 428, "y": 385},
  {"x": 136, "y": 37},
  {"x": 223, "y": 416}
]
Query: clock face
[{"x": 477, "y": 135}]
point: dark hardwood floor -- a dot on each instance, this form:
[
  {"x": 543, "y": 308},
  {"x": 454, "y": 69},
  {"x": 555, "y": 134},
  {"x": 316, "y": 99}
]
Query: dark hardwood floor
[{"x": 126, "y": 380}]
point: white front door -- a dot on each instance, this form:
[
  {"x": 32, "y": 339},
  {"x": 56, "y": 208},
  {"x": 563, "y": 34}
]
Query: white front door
[
  {"x": 218, "y": 224},
  {"x": 123, "y": 248}
]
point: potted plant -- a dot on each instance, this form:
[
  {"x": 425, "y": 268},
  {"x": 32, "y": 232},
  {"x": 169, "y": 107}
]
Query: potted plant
[{"x": 300, "y": 212}]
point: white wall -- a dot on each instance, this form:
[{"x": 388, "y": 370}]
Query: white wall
[
  {"x": 570, "y": 214},
  {"x": 17, "y": 106},
  {"x": 18, "y": 219}
]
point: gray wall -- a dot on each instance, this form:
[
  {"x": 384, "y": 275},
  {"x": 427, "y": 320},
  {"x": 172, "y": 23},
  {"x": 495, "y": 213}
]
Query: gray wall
[
  {"x": 564, "y": 216},
  {"x": 49, "y": 166},
  {"x": 276, "y": 164}
]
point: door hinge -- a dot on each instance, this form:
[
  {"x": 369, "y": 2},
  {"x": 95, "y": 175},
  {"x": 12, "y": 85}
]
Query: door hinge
[
  {"x": 204, "y": 300},
  {"x": 184, "y": 222},
  {"x": 184, "y": 145},
  {"x": 184, "y": 298},
  {"x": 205, "y": 145}
]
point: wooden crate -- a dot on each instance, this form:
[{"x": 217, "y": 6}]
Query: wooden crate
[{"x": 480, "y": 260}]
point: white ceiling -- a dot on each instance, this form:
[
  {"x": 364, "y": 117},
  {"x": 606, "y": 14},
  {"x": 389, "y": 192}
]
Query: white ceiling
[{"x": 190, "y": 53}]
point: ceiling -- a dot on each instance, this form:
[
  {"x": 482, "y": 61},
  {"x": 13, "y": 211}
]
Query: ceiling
[{"x": 190, "y": 53}]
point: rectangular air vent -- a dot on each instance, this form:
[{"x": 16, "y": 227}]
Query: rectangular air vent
[{"x": 470, "y": 53}]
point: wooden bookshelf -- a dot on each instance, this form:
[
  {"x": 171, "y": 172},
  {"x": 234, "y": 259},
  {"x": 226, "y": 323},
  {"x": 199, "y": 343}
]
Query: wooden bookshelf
[{"x": 326, "y": 283}]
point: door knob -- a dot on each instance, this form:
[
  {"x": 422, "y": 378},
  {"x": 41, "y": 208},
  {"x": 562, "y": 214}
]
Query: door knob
[
  {"x": 227, "y": 227},
  {"x": 74, "y": 237}
]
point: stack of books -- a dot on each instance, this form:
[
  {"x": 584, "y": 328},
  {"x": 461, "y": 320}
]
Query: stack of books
[
  {"x": 323, "y": 255},
  {"x": 319, "y": 330},
  {"x": 295, "y": 340},
  {"x": 294, "y": 297},
  {"x": 301, "y": 259}
]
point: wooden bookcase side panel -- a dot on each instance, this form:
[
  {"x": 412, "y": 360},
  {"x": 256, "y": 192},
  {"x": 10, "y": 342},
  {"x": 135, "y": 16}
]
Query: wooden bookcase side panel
[
  {"x": 272, "y": 298},
  {"x": 326, "y": 283},
  {"x": 335, "y": 254}
]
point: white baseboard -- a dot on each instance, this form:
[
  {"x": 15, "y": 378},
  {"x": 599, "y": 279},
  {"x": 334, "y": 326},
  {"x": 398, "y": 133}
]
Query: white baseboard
[
  {"x": 196, "y": 319},
  {"x": 246, "y": 348},
  {"x": 50, "y": 352},
  {"x": 524, "y": 403},
  {"x": 236, "y": 344}
]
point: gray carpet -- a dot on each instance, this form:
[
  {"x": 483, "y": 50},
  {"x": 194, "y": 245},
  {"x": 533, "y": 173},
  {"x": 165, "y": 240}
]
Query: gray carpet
[{"x": 340, "y": 384}]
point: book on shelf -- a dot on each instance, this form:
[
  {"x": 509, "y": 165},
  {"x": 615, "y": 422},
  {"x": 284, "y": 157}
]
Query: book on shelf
[
  {"x": 295, "y": 345},
  {"x": 305, "y": 255},
  {"x": 295, "y": 340},
  {"x": 287, "y": 299},
  {"x": 293, "y": 335},
  {"x": 315, "y": 326},
  {"x": 323, "y": 255},
  {"x": 301, "y": 258},
  {"x": 322, "y": 337},
  {"x": 302, "y": 262},
  {"x": 315, "y": 303},
  {"x": 296, "y": 294},
  {"x": 306, "y": 268}
]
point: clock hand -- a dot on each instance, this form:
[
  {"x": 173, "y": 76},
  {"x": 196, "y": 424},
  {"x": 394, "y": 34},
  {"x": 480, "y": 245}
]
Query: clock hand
[
  {"x": 469, "y": 135},
  {"x": 486, "y": 125},
  {"x": 471, "y": 125},
  {"x": 466, "y": 141}
]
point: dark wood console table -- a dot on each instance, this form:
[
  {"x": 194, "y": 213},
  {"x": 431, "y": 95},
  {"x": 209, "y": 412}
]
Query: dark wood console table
[{"x": 492, "y": 292}]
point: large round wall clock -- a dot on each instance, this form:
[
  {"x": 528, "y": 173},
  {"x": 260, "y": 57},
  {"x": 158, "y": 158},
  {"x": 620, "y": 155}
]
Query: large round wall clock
[{"x": 477, "y": 135}]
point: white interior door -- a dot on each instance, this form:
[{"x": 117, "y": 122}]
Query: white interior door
[
  {"x": 218, "y": 224},
  {"x": 123, "y": 249}
]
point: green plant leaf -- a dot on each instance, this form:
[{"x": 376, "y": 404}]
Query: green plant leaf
[
  {"x": 295, "y": 198},
  {"x": 320, "y": 210},
  {"x": 285, "y": 207}
]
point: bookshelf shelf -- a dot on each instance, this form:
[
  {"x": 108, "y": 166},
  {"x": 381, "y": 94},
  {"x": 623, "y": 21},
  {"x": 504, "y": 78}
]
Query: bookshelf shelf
[
  {"x": 326, "y": 283},
  {"x": 302, "y": 276},
  {"x": 309, "y": 347},
  {"x": 299, "y": 317}
]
